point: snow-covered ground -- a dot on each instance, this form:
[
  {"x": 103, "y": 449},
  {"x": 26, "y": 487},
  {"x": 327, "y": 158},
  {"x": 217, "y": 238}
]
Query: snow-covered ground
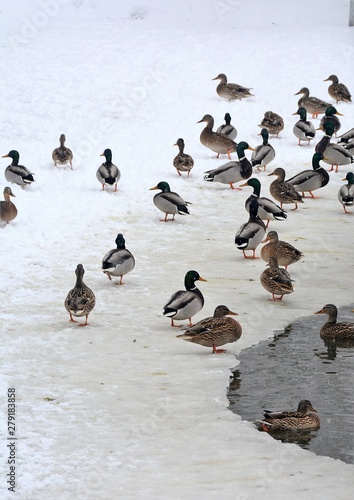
[{"x": 122, "y": 408}]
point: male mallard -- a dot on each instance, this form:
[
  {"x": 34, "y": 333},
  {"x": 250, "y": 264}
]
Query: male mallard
[
  {"x": 250, "y": 234},
  {"x": 332, "y": 329},
  {"x": 219, "y": 143},
  {"x": 285, "y": 253},
  {"x": 80, "y": 300},
  {"x": 331, "y": 116},
  {"x": 282, "y": 191},
  {"x": 312, "y": 105},
  {"x": 300, "y": 420},
  {"x": 346, "y": 192},
  {"x": 231, "y": 91},
  {"x": 334, "y": 154},
  {"x": 108, "y": 174},
  {"x": 337, "y": 90},
  {"x": 275, "y": 280},
  {"x": 62, "y": 155},
  {"x": 182, "y": 162},
  {"x": 347, "y": 137},
  {"x": 8, "y": 210},
  {"x": 303, "y": 129},
  {"x": 227, "y": 129},
  {"x": 119, "y": 261},
  {"x": 310, "y": 180},
  {"x": 184, "y": 304},
  {"x": 263, "y": 154},
  {"x": 232, "y": 171},
  {"x": 273, "y": 122},
  {"x": 214, "y": 331},
  {"x": 15, "y": 173},
  {"x": 169, "y": 202}
]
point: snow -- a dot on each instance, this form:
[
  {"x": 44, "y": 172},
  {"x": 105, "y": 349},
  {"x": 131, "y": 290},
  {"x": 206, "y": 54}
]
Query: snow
[{"x": 122, "y": 408}]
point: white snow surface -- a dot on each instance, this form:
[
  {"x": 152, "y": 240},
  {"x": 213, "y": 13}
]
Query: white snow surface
[{"x": 122, "y": 408}]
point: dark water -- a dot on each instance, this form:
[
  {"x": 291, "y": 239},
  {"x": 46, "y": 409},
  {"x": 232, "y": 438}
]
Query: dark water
[{"x": 296, "y": 364}]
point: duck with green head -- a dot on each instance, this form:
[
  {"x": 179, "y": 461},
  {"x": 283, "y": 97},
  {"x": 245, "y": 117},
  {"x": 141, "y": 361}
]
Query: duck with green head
[
  {"x": 119, "y": 261},
  {"x": 15, "y": 173},
  {"x": 334, "y": 154},
  {"x": 227, "y": 129},
  {"x": 310, "y": 180},
  {"x": 331, "y": 115},
  {"x": 264, "y": 153},
  {"x": 108, "y": 174},
  {"x": 168, "y": 202},
  {"x": 250, "y": 234},
  {"x": 303, "y": 129},
  {"x": 346, "y": 192}
]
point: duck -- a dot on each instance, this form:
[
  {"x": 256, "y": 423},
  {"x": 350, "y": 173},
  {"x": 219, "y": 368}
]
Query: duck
[
  {"x": 232, "y": 171},
  {"x": 184, "y": 304},
  {"x": 62, "y": 155},
  {"x": 331, "y": 115},
  {"x": 219, "y": 143},
  {"x": 304, "y": 419},
  {"x": 227, "y": 129},
  {"x": 251, "y": 233},
  {"x": 275, "y": 280},
  {"x": 285, "y": 253},
  {"x": 182, "y": 162},
  {"x": 303, "y": 129},
  {"x": 346, "y": 192},
  {"x": 332, "y": 329},
  {"x": 267, "y": 209},
  {"x": 108, "y": 174},
  {"x": 8, "y": 210},
  {"x": 119, "y": 261},
  {"x": 282, "y": 191},
  {"x": 337, "y": 90},
  {"x": 15, "y": 173},
  {"x": 231, "y": 91},
  {"x": 273, "y": 122},
  {"x": 80, "y": 300},
  {"x": 264, "y": 153},
  {"x": 168, "y": 202},
  {"x": 214, "y": 331},
  {"x": 312, "y": 104},
  {"x": 310, "y": 180},
  {"x": 334, "y": 154},
  {"x": 347, "y": 137}
]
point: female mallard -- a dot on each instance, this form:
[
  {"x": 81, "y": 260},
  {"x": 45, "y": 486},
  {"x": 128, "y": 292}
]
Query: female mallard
[
  {"x": 119, "y": 261},
  {"x": 332, "y": 329},
  {"x": 15, "y": 173},
  {"x": 303, "y": 129},
  {"x": 337, "y": 90},
  {"x": 227, "y": 129},
  {"x": 282, "y": 191},
  {"x": 310, "y": 180},
  {"x": 62, "y": 155},
  {"x": 232, "y": 171},
  {"x": 331, "y": 116},
  {"x": 184, "y": 304},
  {"x": 80, "y": 300},
  {"x": 219, "y": 143},
  {"x": 275, "y": 280},
  {"x": 263, "y": 154},
  {"x": 300, "y": 420},
  {"x": 250, "y": 234},
  {"x": 346, "y": 192},
  {"x": 8, "y": 210},
  {"x": 108, "y": 174},
  {"x": 214, "y": 331},
  {"x": 334, "y": 154},
  {"x": 312, "y": 104},
  {"x": 285, "y": 253},
  {"x": 231, "y": 91},
  {"x": 273, "y": 122},
  {"x": 182, "y": 162},
  {"x": 267, "y": 209},
  {"x": 169, "y": 202}
]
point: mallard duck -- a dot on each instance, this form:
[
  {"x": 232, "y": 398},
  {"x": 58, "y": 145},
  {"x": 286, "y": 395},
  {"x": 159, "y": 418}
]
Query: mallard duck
[
  {"x": 332, "y": 329},
  {"x": 227, "y": 129},
  {"x": 80, "y": 300},
  {"x": 231, "y": 91},
  {"x": 8, "y": 210},
  {"x": 267, "y": 209},
  {"x": 263, "y": 154},
  {"x": 312, "y": 105},
  {"x": 282, "y": 191},
  {"x": 310, "y": 180},
  {"x": 119, "y": 261},
  {"x": 169, "y": 202},
  {"x": 346, "y": 192},
  {"x": 250, "y": 234},
  {"x": 331, "y": 116},
  {"x": 303, "y": 129},
  {"x": 184, "y": 304},
  {"x": 347, "y": 137},
  {"x": 62, "y": 155},
  {"x": 232, "y": 171},
  {"x": 273, "y": 122},
  {"x": 182, "y": 162},
  {"x": 275, "y": 280},
  {"x": 300, "y": 420},
  {"x": 214, "y": 331},
  {"x": 334, "y": 154},
  {"x": 219, "y": 143},
  {"x": 337, "y": 90},
  {"x": 285, "y": 253},
  {"x": 108, "y": 174},
  {"x": 15, "y": 173}
]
